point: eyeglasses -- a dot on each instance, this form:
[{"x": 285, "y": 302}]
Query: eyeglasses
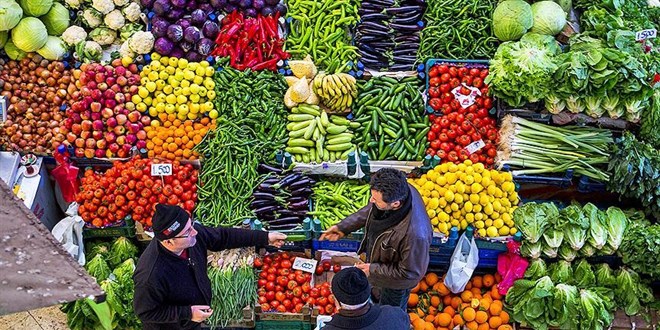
[{"x": 186, "y": 234}]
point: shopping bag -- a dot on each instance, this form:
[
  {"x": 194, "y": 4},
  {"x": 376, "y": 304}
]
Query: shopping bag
[
  {"x": 462, "y": 264},
  {"x": 69, "y": 232},
  {"x": 511, "y": 266}
]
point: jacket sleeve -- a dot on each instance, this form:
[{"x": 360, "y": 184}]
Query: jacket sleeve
[
  {"x": 149, "y": 307},
  {"x": 407, "y": 272},
  {"x": 355, "y": 221},
  {"x": 218, "y": 239}
]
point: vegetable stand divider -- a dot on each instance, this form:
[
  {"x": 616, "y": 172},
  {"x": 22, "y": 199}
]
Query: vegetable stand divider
[
  {"x": 125, "y": 228},
  {"x": 298, "y": 240},
  {"x": 247, "y": 322},
  {"x": 349, "y": 243}
]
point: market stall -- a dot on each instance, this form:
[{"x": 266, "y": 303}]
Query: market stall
[{"x": 529, "y": 128}]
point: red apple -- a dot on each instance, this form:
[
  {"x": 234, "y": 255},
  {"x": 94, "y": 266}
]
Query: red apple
[
  {"x": 119, "y": 130},
  {"x": 85, "y": 134},
  {"x": 90, "y": 143},
  {"x": 145, "y": 120},
  {"x": 134, "y": 116},
  {"x": 109, "y": 154},
  {"x": 95, "y": 106},
  {"x": 120, "y": 71},
  {"x": 107, "y": 113},
  {"x": 70, "y": 137},
  {"x": 79, "y": 152},
  {"x": 102, "y": 86},
  {"x": 122, "y": 153},
  {"x": 141, "y": 144},
  {"x": 121, "y": 119},
  {"x": 130, "y": 139},
  {"x": 86, "y": 125},
  {"x": 76, "y": 129},
  {"x": 111, "y": 122},
  {"x": 98, "y": 125},
  {"x": 133, "y": 128},
  {"x": 79, "y": 142},
  {"x": 121, "y": 140},
  {"x": 127, "y": 147},
  {"x": 141, "y": 135},
  {"x": 101, "y": 144},
  {"x": 122, "y": 81},
  {"x": 113, "y": 147},
  {"x": 97, "y": 135},
  {"x": 99, "y": 153},
  {"x": 110, "y": 137}
]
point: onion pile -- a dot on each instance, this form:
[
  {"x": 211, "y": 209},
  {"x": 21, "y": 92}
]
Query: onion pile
[{"x": 35, "y": 89}]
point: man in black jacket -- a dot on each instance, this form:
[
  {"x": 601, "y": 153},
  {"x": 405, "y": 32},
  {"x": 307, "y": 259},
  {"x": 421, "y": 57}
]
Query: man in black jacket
[
  {"x": 355, "y": 310},
  {"x": 172, "y": 287}
]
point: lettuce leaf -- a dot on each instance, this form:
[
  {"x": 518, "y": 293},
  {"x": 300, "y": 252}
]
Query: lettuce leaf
[
  {"x": 121, "y": 250},
  {"x": 537, "y": 269},
  {"x": 594, "y": 311},
  {"x": 617, "y": 222},
  {"x": 98, "y": 268},
  {"x": 605, "y": 276},
  {"x": 584, "y": 275},
  {"x": 575, "y": 232},
  {"x": 531, "y": 250},
  {"x": 565, "y": 307},
  {"x": 531, "y": 220},
  {"x": 567, "y": 253},
  {"x": 597, "y": 226},
  {"x": 561, "y": 272},
  {"x": 630, "y": 292}
]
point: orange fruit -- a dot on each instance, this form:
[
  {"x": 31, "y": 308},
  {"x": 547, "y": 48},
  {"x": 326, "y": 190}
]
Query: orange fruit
[
  {"x": 495, "y": 294},
  {"x": 495, "y": 322},
  {"x": 456, "y": 302},
  {"x": 419, "y": 324},
  {"x": 430, "y": 318},
  {"x": 431, "y": 279},
  {"x": 483, "y": 326},
  {"x": 477, "y": 282},
  {"x": 498, "y": 278},
  {"x": 442, "y": 289},
  {"x": 468, "y": 286},
  {"x": 505, "y": 327},
  {"x": 443, "y": 319},
  {"x": 505, "y": 317},
  {"x": 458, "y": 320},
  {"x": 413, "y": 317},
  {"x": 449, "y": 310},
  {"x": 433, "y": 311},
  {"x": 469, "y": 314},
  {"x": 415, "y": 289},
  {"x": 489, "y": 280},
  {"x": 413, "y": 300},
  {"x": 429, "y": 326},
  {"x": 466, "y": 296},
  {"x": 446, "y": 300},
  {"x": 472, "y": 325},
  {"x": 435, "y": 301},
  {"x": 484, "y": 304},
  {"x": 476, "y": 293},
  {"x": 495, "y": 308},
  {"x": 481, "y": 317}
]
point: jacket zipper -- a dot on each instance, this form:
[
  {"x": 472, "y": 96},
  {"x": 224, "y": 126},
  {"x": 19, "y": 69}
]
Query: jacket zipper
[{"x": 376, "y": 240}]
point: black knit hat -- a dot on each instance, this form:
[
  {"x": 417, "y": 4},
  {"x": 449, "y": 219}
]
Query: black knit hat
[
  {"x": 351, "y": 287},
  {"x": 168, "y": 221}
]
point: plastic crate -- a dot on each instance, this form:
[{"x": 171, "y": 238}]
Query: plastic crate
[
  {"x": 125, "y": 228},
  {"x": 282, "y": 325},
  {"x": 350, "y": 242},
  {"x": 564, "y": 181},
  {"x": 586, "y": 185},
  {"x": 297, "y": 245},
  {"x": 457, "y": 63}
]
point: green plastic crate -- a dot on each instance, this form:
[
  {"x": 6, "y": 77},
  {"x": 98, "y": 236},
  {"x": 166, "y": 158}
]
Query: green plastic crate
[
  {"x": 125, "y": 230},
  {"x": 283, "y": 325}
]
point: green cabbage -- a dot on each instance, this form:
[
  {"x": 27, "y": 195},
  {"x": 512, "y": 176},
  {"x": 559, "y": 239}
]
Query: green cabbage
[
  {"x": 561, "y": 272},
  {"x": 565, "y": 5},
  {"x": 587, "y": 250},
  {"x": 121, "y": 250},
  {"x": 575, "y": 232},
  {"x": 617, "y": 222},
  {"x": 512, "y": 19},
  {"x": 35, "y": 8},
  {"x": 54, "y": 49},
  {"x": 549, "y": 251},
  {"x": 630, "y": 292},
  {"x": 584, "y": 275},
  {"x": 10, "y": 14},
  {"x": 553, "y": 238},
  {"x": 56, "y": 20},
  {"x": 98, "y": 268},
  {"x": 605, "y": 276},
  {"x": 549, "y": 18},
  {"x": 13, "y": 52},
  {"x": 564, "y": 305},
  {"x": 29, "y": 34},
  {"x": 3, "y": 38},
  {"x": 536, "y": 269}
]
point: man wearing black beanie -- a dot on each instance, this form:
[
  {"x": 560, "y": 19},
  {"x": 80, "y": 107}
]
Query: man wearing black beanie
[
  {"x": 355, "y": 310},
  {"x": 172, "y": 287},
  {"x": 397, "y": 237}
]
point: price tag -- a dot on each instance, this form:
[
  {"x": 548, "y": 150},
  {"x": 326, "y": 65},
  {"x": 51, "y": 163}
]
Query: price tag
[
  {"x": 646, "y": 34},
  {"x": 3, "y": 109},
  {"x": 466, "y": 100},
  {"x": 161, "y": 169},
  {"x": 304, "y": 264},
  {"x": 475, "y": 146}
]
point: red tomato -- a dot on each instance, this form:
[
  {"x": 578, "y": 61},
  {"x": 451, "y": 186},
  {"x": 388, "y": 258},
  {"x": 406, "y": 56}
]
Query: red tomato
[
  {"x": 474, "y": 158},
  {"x": 306, "y": 287},
  {"x": 445, "y": 88},
  {"x": 324, "y": 292},
  {"x": 488, "y": 103},
  {"x": 262, "y": 282},
  {"x": 475, "y": 72},
  {"x": 452, "y": 156},
  {"x": 297, "y": 292},
  {"x": 286, "y": 264},
  {"x": 453, "y": 72},
  {"x": 330, "y": 309},
  {"x": 336, "y": 268},
  {"x": 322, "y": 301},
  {"x": 292, "y": 285},
  {"x": 282, "y": 281},
  {"x": 270, "y": 295},
  {"x": 326, "y": 265},
  {"x": 314, "y": 293},
  {"x": 492, "y": 152},
  {"x": 265, "y": 307},
  {"x": 435, "y": 104},
  {"x": 443, "y": 68},
  {"x": 441, "y": 154},
  {"x": 298, "y": 308},
  {"x": 477, "y": 82},
  {"x": 435, "y": 144},
  {"x": 433, "y": 72},
  {"x": 462, "y": 72},
  {"x": 445, "y": 78},
  {"x": 300, "y": 279},
  {"x": 435, "y": 128},
  {"x": 484, "y": 74},
  {"x": 319, "y": 270},
  {"x": 287, "y": 304},
  {"x": 446, "y": 98},
  {"x": 281, "y": 309},
  {"x": 435, "y": 81},
  {"x": 430, "y": 136},
  {"x": 262, "y": 300},
  {"x": 268, "y": 260},
  {"x": 279, "y": 296},
  {"x": 270, "y": 286},
  {"x": 434, "y": 92},
  {"x": 454, "y": 82}
]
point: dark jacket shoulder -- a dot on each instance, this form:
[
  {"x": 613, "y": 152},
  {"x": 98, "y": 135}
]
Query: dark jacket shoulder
[{"x": 378, "y": 317}]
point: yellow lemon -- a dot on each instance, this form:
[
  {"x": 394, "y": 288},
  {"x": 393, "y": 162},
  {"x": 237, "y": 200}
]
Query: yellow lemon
[
  {"x": 504, "y": 231},
  {"x": 513, "y": 231},
  {"x": 433, "y": 203},
  {"x": 461, "y": 167},
  {"x": 469, "y": 217},
  {"x": 479, "y": 224},
  {"x": 458, "y": 198},
  {"x": 488, "y": 222},
  {"x": 449, "y": 196},
  {"x": 464, "y": 224},
  {"x": 477, "y": 208},
  {"x": 476, "y": 188},
  {"x": 431, "y": 213},
  {"x": 498, "y": 223},
  {"x": 468, "y": 206},
  {"x": 453, "y": 168},
  {"x": 492, "y": 232},
  {"x": 442, "y": 227},
  {"x": 481, "y": 232}
]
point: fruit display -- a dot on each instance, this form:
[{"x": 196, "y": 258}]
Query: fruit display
[
  {"x": 469, "y": 194},
  {"x": 102, "y": 120},
  {"x": 480, "y": 306},
  {"x": 176, "y": 139},
  {"x": 337, "y": 91},
  {"x": 35, "y": 89}
]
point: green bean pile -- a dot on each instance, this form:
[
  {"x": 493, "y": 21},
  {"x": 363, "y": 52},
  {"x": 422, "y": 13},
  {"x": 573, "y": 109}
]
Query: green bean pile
[{"x": 458, "y": 29}]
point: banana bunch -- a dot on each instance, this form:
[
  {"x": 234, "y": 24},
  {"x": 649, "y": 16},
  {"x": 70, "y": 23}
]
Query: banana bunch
[{"x": 336, "y": 91}]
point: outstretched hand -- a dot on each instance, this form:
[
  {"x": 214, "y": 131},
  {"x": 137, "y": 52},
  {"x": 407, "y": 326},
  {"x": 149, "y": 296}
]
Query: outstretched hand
[
  {"x": 332, "y": 234},
  {"x": 276, "y": 239}
]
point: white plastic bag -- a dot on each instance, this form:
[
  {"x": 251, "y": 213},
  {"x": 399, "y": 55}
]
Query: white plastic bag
[
  {"x": 69, "y": 233},
  {"x": 462, "y": 264}
]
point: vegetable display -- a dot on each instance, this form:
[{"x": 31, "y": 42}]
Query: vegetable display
[
  {"x": 335, "y": 201},
  {"x": 635, "y": 168},
  {"x": 301, "y": 89},
  {"x": 393, "y": 119},
  {"x": 387, "y": 35},
  {"x": 570, "y": 232},
  {"x": 458, "y": 30},
  {"x": 282, "y": 200},
  {"x": 128, "y": 188},
  {"x": 252, "y": 43},
  {"x": 281, "y": 288},
  {"x": 469, "y": 194},
  {"x": 479, "y": 306},
  {"x": 337, "y": 92},
  {"x": 102, "y": 121},
  {"x": 35, "y": 89},
  {"x": 320, "y": 29},
  {"x": 233, "y": 284},
  {"x": 584, "y": 150},
  {"x": 640, "y": 247},
  {"x": 463, "y": 129}
]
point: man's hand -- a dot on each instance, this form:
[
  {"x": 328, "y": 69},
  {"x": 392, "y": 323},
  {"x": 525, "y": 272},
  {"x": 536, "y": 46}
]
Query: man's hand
[
  {"x": 364, "y": 268},
  {"x": 200, "y": 313},
  {"x": 276, "y": 239},
  {"x": 332, "y": 234}
]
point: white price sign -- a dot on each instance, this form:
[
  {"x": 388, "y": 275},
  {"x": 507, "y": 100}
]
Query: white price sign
[
  {"x": 646, "y": 34},
  {"x": 475, "y": 146},
  {"x": 161, "y": 169},
  {"x": 466, "y": 100},
  {"x": 304, "y": 264}
]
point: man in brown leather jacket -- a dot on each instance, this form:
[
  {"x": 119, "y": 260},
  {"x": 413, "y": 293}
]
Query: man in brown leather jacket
[{"x": 397, "y": 236}]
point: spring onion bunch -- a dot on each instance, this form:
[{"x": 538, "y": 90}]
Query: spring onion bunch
[{"x": 234, "y": 285}]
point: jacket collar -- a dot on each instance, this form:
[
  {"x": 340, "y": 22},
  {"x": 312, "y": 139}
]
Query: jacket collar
[{"x": 356, "y": 322}]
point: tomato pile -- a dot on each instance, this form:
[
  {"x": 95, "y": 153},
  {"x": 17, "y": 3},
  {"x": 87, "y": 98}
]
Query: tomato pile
[
  {"x": 285, "y": 290},
  {"x": 454, "y": 126},
  {"x": 129, "y": 189}
]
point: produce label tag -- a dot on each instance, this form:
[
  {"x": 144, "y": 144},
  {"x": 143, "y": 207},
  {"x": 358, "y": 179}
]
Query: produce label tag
[
  {"x": 475, "y": 146},
  {"x": 3, "y": 109},
  {"x": 646, "y": 34},
  {"x": 304, "y": 264},
  {"x": 161, "y": 169},
  {"x": 466, "y": 100}
]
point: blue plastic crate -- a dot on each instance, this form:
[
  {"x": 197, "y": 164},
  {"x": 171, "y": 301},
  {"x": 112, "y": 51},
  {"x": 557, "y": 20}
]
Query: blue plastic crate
[
  {"x": 481, "y": 64},
  {"x": 350, "y": 242},
  {"x": 559, "y": 180},
  {"x": 586, "y": 185}
]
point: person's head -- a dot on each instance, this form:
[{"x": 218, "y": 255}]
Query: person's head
[
  {"x": 351, "y": 288},
  {"x": 173, "y": 227},
  {"x": 389, "y": 188}
]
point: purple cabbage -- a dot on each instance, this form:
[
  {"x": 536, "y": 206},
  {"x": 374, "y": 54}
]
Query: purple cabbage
[
  {"x": 175, "y": 14},
  {"x": 194, "y": 57},
  {"x": 175, "y": 32},
  {"x": 163, "y": 46},
  {"x": 206, "y": 7},
  {"x": 281, "y": 8},
  {"x": 177, "y": 52},
  {"x": 272, "y": 2},
  {"x": 258, "y": 4},
  {"x": 191, "y": 34},
  {"x": 184, "y": 22},
  {"x": 178, "y": 3},
  {"x": 218, "y": 4},
  {"x": 159, "y": 27},
  {"x": 186, "y": 46},
  {"x": 191, "y": 5},
  {"x": 204, "y": 46},
  {"x": 251, "y": 12},
  {"x": 210, "y": 29},
  {"x": 161, "y": 7},
  {"x": 267, "y": 11},
  {"x": 197, "y": 17},
  {"x": 147, "y": 3},
  {"x": 230, "y": 8},
  {"x": 245, "y": 3}
]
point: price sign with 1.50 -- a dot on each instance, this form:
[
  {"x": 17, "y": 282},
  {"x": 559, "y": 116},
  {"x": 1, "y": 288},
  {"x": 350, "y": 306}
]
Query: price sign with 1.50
[{"x": 161, "y": 169}]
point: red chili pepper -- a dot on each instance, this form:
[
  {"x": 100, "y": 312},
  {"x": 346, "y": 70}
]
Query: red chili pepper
[{"x": 270, "y": 64}]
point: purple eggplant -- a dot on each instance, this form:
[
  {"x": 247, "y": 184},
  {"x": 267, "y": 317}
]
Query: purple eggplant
[
  {"x": 263, "y": 168},
  {"x": 299, "y": 206},
  {"x": 266, "y": 196},
  {"x": 245, "y": 4},
  {"x": 292, "y": 213},
  {"x": 265, "y": 209},
  {"x": 206, "y": 7},
  {"x": 159, "y": 27},
  {"x": 163, "y": 46},
  {"x": 287, "y": 180},
  {"x": 175, "y": 32},
  {"x": 301, "y": 192},
  {"x": 285, "y": 221},
  {"x": 304, "y": 182},
  {"x": 197, "y": 17},
  {"x": 298, "y": 199},
  {"x": 191, "y": 34},
  {"x": 161, "y": 7},
  {"x": 210, "y": 29},
  {"x": 259, "y": 203}
]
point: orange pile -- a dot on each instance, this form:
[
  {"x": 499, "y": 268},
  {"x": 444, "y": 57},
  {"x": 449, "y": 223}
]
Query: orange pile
[
  {"x": 432, "y": 306},
  {"x": 171, "y": 138}
]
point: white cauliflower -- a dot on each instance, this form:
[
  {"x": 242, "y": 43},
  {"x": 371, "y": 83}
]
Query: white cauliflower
[
  {"x": 126, "y": 51},
  {"x": 73, "y": 35},
  {"x": 654, "y": 3},
  {"x": 121, "y": 3},
  {"x": 141, "y": 42},
  {"x": 103, "y": 36},
  {"x": 73, "y": 4},
  {"x": 92, "y": 17},
  {"x": 114, "y": 19},
  {"x": 104, "y": 6},
  {"x": 132, "y": 12}
]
